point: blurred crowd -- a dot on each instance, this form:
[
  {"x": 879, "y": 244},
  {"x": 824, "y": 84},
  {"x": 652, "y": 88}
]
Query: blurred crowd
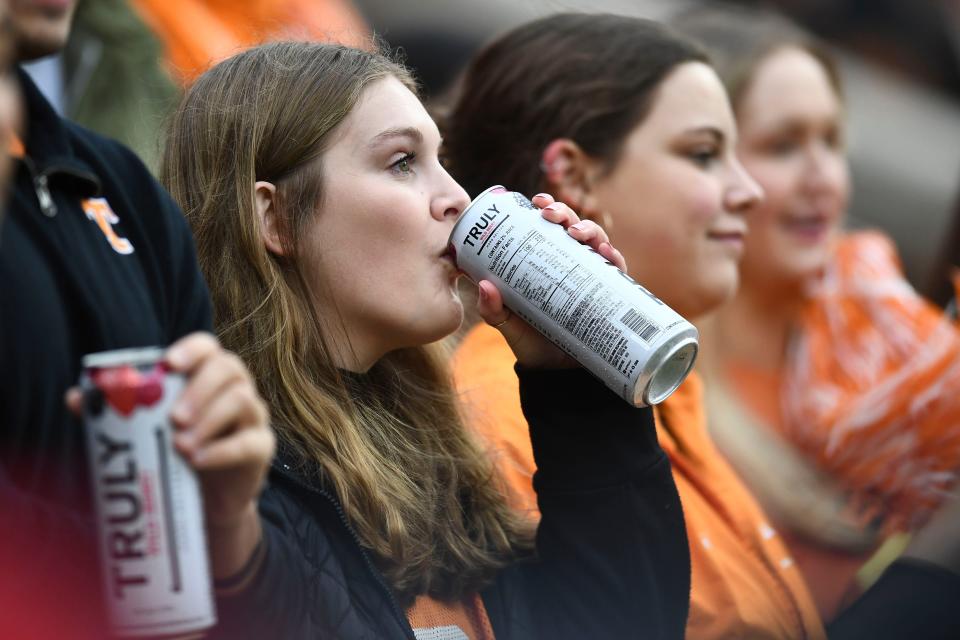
[{"x": 266, "y": 191}]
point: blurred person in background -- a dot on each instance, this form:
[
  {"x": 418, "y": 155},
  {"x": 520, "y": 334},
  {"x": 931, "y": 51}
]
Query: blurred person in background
[
  {"x": 112, "y": 77},
  {"x": 95, "y": 256},
  {"x": 917, "y": 40},
  {"x": 628, "y": 123},
  {"x": 126, "y": 61},
  {"x": 196, "y": 34},
  {"x": 834, "y": 387},
  {"x": 311, "y": 177}
]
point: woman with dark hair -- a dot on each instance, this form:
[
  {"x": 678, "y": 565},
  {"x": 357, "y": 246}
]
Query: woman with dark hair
[
  {"x": 627, "y": 122},
  {"x": 311, "y": 177},
  {"x": 834, "y": 386}
]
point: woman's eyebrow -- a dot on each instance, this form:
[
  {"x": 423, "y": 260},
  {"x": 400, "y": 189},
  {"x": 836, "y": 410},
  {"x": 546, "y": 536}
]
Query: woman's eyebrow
[
  {"x": 709, "y": 130},
  {"x": 397, "y": 132}
]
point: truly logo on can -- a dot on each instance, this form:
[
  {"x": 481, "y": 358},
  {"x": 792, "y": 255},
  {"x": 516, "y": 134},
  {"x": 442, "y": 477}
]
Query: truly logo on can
[
  {"x": 152, "y": 542},
  {"x": 480, "y": 229},
  {"x": 124, "y": 522}
]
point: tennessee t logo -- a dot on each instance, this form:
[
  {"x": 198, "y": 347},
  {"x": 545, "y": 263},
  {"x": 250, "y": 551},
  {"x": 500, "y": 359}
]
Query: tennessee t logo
[{"x": 98, "y": 210}]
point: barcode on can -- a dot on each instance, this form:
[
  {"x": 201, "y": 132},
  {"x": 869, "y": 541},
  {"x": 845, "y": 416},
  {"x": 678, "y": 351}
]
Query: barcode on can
[{"x": 640, "y": 325}]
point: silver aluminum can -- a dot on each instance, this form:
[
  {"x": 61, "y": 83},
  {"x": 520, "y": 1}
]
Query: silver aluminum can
[
  {"x": 153, "y": 551},
  {"x": 609, "y": 323}
]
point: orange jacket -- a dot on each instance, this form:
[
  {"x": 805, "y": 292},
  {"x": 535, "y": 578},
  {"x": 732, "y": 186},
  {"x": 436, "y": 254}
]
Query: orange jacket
[
  {"x": 744, "y": 584},
  {"x": 200, "y": 33}
]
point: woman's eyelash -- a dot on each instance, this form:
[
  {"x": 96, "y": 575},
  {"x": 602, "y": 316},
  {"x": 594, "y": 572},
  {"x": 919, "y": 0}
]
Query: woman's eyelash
[
  {"x": 402, "y": 164},
  {"x": 703, "y": 156}
]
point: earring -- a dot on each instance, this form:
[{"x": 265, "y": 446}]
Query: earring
[{"x": 606, "y": 220}]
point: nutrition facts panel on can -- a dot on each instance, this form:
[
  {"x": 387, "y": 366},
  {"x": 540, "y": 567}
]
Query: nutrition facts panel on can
[
  {"x": 612, "y": 325},
  {"x": 570, "y": 294}
]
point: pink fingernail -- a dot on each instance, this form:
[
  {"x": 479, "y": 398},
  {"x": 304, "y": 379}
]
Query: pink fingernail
[
  {"x": 552, "y": 207},
  {"x": 542, "y": 195},
  {"x": 580, "y": 226}
]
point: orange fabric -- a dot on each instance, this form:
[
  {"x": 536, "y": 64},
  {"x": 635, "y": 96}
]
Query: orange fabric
[
  {"x": 744, "y": 584},
  {"x": 871, "y": 386},
  {"x": 870, "y": 391},
  {"x": 437, "y": 620},
  {"x": 200, "y": 33},
  {"x": 15, "y": 146}
]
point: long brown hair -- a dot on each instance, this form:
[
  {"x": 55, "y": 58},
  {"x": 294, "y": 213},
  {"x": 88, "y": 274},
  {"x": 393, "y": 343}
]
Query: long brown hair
[
  {"x": 591, "y": 78},
  {"x": 391, "y": 443}
]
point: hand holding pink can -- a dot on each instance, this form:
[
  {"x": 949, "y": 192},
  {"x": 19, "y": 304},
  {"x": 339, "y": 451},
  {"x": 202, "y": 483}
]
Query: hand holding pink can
[{"x": 164, "y": 429}]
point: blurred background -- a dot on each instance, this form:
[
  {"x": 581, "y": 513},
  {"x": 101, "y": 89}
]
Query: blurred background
[
  {"x": 130, "y": 59},
  {"x": 900, "y": 61}
]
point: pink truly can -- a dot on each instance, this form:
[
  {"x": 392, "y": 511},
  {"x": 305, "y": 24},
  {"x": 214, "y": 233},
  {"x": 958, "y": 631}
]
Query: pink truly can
[
  {"x": 153, "y": 550},
  {"x": 609, "y": 323}
]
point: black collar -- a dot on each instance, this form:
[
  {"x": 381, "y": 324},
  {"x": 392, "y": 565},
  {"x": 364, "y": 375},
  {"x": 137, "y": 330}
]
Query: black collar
[{"x": 49, "y": 144}]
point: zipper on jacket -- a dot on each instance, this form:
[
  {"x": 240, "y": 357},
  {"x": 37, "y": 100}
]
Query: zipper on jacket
[
  {"x": 41, "y": 186},
  {"x": 401, "y": 616},
  {"x": 374, "y": 572},
  {"x": 41, "y": 183}
]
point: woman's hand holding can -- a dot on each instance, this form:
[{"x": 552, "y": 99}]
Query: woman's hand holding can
[
  {"x": 544, "y": 272},
  {"x": 223, "y": 430},
  {"x": 529, "y": 345}
]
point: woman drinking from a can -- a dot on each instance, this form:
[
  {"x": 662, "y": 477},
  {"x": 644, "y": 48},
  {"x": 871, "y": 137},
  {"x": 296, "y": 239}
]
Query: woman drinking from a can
[{"x": 311, "y": 177}]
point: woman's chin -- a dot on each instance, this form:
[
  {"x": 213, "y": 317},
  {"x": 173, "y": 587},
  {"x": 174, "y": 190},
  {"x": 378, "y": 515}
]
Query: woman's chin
[
  {"x": 804, "y": 266},
  {"x": 785, "y": 267},
  {"x": 447, "y": 322},
  {"x": 694, "y": 301},
  {"x": 708, "y": 302}
]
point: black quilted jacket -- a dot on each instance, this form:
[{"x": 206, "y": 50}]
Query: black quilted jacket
[{"x": 612, "y": 558}]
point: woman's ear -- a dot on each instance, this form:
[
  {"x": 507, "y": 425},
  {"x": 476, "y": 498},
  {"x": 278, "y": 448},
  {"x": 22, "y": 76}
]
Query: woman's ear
[
  {"x": 569, "y": 174},
  {"x": 264, "y": 195}
]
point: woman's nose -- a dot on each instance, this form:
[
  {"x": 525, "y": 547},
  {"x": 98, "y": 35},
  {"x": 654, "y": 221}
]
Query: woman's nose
[
  {"x": 453, "y": 200},
  {"x": 744, "y": 192},
  {"x": 824, "y": 170}
]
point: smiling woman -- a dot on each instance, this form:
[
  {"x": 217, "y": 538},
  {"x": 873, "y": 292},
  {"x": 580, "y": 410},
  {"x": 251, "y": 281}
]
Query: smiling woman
[
  {"x": 310, "y": 175},
  {"x": 835, "y": 386},
  {"x": 683, "y": 241},
  {"x": 649, "y": 151}
]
